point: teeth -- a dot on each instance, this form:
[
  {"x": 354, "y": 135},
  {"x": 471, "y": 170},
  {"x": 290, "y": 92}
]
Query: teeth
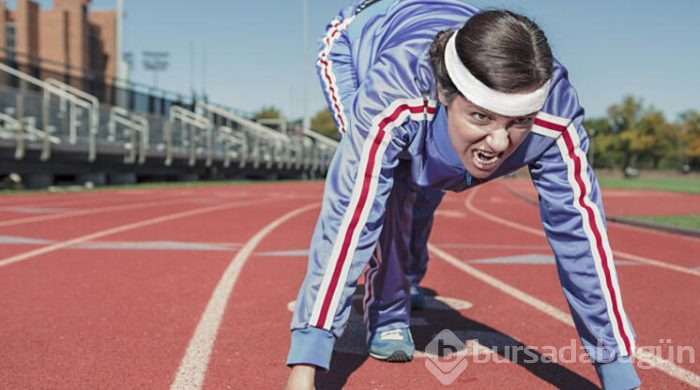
[
  {"x": 485, "y": 156},
  {"x": 485, "y": 159}
]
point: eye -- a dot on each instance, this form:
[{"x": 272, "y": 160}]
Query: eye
[
  {"x": 522, "y": 122},
  {"x": 479, "y": 116}
]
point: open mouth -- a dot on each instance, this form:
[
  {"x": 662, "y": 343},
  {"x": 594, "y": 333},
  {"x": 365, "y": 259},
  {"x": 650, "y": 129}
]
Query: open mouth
[{"x": 486, "y": 160}]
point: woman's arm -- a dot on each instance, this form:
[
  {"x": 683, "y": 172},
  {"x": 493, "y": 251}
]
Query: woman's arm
[
  {"x": 572, "y": 214},
  {"x": 381, "y": 120}
]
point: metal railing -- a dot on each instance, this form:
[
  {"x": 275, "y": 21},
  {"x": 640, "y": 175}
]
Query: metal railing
[
  {"x": 323, "y": 148},
  {"x": 135, "y": 133},
  {"x": 85, "y": 101},
  {"x": 189, "y": 126},
  {"x": 260, "y": 144},
  {"x": 233, "y": 146},
  {"x": 9, "y": 126},
  {"x": 70, "y": 106},
  {"x": 49, "y": 113}
]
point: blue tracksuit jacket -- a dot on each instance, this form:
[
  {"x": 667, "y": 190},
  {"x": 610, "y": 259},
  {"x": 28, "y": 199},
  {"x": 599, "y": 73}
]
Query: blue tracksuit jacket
[{"x": 374, "y": 68}]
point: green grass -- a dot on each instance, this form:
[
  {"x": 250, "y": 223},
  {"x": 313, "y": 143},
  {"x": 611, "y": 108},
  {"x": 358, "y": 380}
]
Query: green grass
[
  {"x": 690, "y": 184},
  {"x": 684, "y": 221}
]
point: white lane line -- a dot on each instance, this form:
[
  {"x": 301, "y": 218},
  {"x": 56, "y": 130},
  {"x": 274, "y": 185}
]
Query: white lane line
[
  {"x": 645, "y": 260},
  {"x": 527, "y": 198},
  {"x": 500, "y": 285},
  {"x": 194, "y": 364},
  {"x": 129, "y": 206},
  {"x": 641, "y": 354},
  {"x": 495, "y": 246},
  {"x": 70, "y": 199},
  {"x": 79, "y": 240},
  {"x": 36, "y": 210},
  {"x": 661, "y": 364},
  {"x": 129, "y": 245}
]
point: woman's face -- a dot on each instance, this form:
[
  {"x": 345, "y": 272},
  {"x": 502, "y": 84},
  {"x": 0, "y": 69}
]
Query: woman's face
[{"x": 483, "y": 139}]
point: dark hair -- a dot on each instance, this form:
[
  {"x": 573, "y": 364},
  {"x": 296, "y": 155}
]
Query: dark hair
[{"x": 506, "y": 51}]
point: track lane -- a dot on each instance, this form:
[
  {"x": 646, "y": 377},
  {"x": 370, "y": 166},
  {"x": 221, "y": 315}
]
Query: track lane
[
  {"x": 136, "y": 310},
  {"x": 109, "y": 317},
  {"x": 254, "y": 335},
  {"x": 626, "y": 243},
  {"x": 194, "y": 365},
  {"x": 668, "y": 288},
  {"x": 101, "y": 228}
]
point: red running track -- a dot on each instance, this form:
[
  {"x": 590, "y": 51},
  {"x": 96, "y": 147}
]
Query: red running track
[{"x": 123, "y": 312}]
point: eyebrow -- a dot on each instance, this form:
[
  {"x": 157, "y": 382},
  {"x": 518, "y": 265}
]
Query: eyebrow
[{"x": 491, "y": 113}]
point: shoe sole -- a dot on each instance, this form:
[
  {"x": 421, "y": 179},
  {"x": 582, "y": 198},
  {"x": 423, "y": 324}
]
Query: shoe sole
[{"x": 396, "y": 357}]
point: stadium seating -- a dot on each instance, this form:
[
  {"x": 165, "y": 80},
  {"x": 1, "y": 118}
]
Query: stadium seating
[{"x": 50, "y": 129}]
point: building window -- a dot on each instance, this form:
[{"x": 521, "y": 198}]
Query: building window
[{"x": 10, "y": 45}]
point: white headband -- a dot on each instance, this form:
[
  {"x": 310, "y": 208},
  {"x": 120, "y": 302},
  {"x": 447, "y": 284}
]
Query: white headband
[{"x": 508, "y": 104}]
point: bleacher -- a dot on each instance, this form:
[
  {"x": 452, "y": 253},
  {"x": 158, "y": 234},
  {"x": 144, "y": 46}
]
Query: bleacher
[{"x": 52, "y": 132}]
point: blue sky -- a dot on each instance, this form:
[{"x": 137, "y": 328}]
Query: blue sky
[{"x": 254, "y": 48}]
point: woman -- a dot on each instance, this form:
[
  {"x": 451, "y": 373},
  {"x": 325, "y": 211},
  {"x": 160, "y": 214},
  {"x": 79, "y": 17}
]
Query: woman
[{"x": 434, "y": 94}]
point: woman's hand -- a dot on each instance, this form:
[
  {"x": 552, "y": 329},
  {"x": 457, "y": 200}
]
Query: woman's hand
[{"x": 301, "y": 377}]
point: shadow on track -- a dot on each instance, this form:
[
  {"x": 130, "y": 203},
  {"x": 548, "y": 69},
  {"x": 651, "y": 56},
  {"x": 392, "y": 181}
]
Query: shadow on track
[{"x": 351, "y": 350}]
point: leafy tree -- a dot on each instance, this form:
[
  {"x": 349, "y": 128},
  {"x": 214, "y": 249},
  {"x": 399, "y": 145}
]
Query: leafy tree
[
  {"x": 604, "y": 148},
  {"x": 690, "y": 137},
  {"x": 323, "y": 123},
  {"x": 268, "y": 112},
  {"x": 635, "y": 127}
]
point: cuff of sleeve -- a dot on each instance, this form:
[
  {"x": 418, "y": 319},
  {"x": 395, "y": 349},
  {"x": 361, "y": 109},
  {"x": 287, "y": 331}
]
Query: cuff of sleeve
[
  {"x": 311, "y": 346},
  {"x": 618, "y": 374}
]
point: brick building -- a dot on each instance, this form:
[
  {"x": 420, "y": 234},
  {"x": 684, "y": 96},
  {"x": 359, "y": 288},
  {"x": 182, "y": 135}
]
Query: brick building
[{"x": 67, "y": 40}]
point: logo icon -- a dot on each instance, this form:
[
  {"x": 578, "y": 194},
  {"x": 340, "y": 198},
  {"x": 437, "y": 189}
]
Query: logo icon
[{"x": 444, "y": 361}]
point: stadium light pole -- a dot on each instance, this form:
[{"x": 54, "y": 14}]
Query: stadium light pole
[
  {"x": 122, "y": 67},
  {"x": 155, "y": 61},
  {"x": 305, "y": 54}
]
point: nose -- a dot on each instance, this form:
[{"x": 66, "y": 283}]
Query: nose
[{"x": 498, "y": 140}]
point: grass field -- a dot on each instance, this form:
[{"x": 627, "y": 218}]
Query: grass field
[
  {"x": 684, "y": 221},
  {"x": 690, "y": 184}
]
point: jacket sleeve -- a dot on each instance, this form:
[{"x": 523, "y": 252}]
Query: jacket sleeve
[
  {"x": 572, "y": 213},
  {"x": 381, "y": 121}
]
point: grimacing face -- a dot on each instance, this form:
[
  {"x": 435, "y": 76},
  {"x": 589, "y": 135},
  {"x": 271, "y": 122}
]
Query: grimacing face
[{"x": 481, "y": 138}]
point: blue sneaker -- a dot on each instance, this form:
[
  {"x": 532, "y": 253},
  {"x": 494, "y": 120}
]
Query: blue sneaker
[
  {"x": 417, "y": 298},
  {"x": 394, "y": 345}
]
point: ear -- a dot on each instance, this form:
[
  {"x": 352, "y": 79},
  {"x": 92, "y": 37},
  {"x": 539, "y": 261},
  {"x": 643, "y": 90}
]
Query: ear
[{"x": 441, "y": 96}]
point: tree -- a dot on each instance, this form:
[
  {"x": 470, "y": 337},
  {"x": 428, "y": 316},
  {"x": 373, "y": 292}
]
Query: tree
[
  {"x": 690, "y": 137},
  {"x": 635, "y": 127},
  {"x": 268, "y": 112},
  {"x": 323, "y": 123},
  {"x": 604, "y": 149}
]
